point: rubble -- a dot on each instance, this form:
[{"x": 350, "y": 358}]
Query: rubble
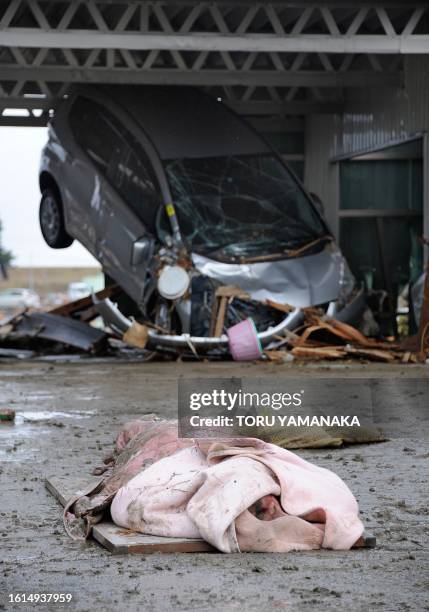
[
  {"x": 229, "y": 325},
  {"x": 56, "y": 328},
  {"x": 316, "y": 353},
  {"x": 137, "y": 335},
  {"x": 56, "y": 333},
  {"x": 83, "y": 308}
]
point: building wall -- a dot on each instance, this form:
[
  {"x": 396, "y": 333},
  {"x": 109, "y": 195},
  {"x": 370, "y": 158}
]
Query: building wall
[
  {"x": 320, "y": 176},
  {"x": 372, "y": 118}
]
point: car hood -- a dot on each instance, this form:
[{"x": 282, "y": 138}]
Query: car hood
[{"x": 300, "y": 282}]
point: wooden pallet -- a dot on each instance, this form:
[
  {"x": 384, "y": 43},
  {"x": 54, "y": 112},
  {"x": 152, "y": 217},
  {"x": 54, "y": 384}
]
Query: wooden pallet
[
  {"x": 123, "y": 541},
  {"x": 116, "y": 539}
]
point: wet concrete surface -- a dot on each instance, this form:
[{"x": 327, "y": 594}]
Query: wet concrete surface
[{"x": 67, "y": 417}]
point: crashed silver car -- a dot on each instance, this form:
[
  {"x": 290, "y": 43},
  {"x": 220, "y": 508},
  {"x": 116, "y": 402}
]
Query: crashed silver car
[{"x": 177, "y": 196}]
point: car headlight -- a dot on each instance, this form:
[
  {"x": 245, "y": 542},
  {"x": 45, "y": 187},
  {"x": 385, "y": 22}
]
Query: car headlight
[{"x": 347, "y": 282}]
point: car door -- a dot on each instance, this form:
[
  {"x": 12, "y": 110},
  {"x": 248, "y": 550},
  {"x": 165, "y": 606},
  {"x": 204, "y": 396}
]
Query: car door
[
  {"x": 85, "y": 166},
  {"x": 124, "y": 218},
  {"x": 106, "y": 181}
]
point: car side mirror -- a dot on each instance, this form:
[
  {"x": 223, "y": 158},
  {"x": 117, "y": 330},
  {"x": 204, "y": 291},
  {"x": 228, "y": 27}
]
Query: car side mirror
[{"x": 142, "y": 250}]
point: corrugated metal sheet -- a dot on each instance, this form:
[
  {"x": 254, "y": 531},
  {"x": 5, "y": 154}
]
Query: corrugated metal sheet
[{"x": 373, "y": 118}]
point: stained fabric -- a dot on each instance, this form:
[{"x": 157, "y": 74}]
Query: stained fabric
[
  {"x": 210, "y": 490},
  {"x": 139, "y": 445}
]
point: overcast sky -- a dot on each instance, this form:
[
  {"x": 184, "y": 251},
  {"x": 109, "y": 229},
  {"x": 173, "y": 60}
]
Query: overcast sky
[{"x": 19, "y": 202}]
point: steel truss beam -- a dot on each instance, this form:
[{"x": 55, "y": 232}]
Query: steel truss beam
[
  {"x": 214, "y": 26},
  {"x": 281, "y": 57},
  {"x": 261, "y": 78},
  {"x": 418, "y": 44}
]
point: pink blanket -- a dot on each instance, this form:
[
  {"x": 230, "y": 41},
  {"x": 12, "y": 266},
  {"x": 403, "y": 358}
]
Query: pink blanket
[{"x": 240, "y": 495}]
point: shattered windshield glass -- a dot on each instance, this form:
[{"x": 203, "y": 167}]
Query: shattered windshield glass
[{"x": 240, "y": 206}]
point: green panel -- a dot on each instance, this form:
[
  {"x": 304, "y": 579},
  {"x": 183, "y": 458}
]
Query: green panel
[
  {"x": 382, "y": 184},
  {"x": 358, "y": 241},
  {"x": 393, "y": 184},
  {"x": 290, "y": 143},
  {"x": 416, "y": 179},
  {"x": 403, "y": 251}
]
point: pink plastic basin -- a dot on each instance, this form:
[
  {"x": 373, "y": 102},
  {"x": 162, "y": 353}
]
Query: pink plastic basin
[{"x": 244, "y": 343}]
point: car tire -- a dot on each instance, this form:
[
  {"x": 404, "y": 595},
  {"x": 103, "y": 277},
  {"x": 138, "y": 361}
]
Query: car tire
[{"x": 51, "y": 220}]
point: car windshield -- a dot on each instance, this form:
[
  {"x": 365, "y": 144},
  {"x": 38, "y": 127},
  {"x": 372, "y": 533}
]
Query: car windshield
[{"x": 241, "y": 205}]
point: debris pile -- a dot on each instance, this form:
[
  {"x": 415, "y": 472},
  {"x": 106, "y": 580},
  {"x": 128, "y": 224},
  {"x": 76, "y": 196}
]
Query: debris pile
[
  {"x": 320, "y": 337},
  {"x": 68, "y": 330},
  {"x": 226, "y": 326}
]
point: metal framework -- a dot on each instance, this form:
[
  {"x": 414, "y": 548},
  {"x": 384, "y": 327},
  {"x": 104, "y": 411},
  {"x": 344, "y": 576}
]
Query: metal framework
[{"x": 263, "y": 59}]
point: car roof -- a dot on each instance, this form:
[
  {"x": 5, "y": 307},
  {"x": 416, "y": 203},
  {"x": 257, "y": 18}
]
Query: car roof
[{"x": 183, "y": 122}]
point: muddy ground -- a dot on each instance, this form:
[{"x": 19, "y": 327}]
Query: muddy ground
[{"x": 67, "y": 417}]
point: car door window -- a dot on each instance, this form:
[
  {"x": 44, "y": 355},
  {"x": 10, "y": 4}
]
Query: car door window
[
  {"x": 94, "y": 133},
  {"x": 135, "y": 180},
  {"x": 118, "y": 155}
]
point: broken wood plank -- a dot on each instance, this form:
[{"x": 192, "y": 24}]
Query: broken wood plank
[
  {"x": 277, "y": 306},
  {"x": 231, "y": 291},
  {"x": 306, "y": 340},
  {"x": 371, "y": 354},
  {"x": 329, "y": 330},
  {"x": 116, "y": 539},
  {"x": 332, "y": 331},
  {"x": 213, "y": 315},
  {"x": 67, "y": 310},
  {"x": 347, "y": 332},
  {"x": 220, "y": 320},
  {"x": 278, "y": 356},
  {"x": 317, "y": 353}
]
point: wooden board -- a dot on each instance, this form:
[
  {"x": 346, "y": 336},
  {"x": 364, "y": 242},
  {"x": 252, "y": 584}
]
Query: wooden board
[
  {"x": 117, "y": 539},
  {"x": 123, "y": 541},
  {"x": 63, "y": 488}
]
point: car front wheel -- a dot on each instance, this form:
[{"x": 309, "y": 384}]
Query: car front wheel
[{"x": 52, "y": 221}]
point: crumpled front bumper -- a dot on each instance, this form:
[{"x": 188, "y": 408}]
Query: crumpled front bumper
[{"x": 119, "y": 323}]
